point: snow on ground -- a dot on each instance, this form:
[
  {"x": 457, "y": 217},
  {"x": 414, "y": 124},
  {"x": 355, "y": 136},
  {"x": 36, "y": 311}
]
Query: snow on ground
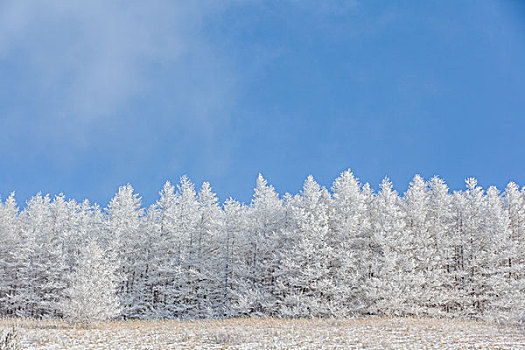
[{"x": 396, "y": 333}]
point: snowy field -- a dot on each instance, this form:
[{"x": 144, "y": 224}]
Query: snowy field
[{"x": 271, "y": 334}]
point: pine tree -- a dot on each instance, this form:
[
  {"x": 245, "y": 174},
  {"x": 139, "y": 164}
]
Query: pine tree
[
  {"x": 266, "y": 216},
  {"x": 498, "y": 294},
  {"x": 316, "y": 254},
  {"x": 124, "y": 231},
  {"x": 306, "y": 280},
  {"x": 37, "y": 257},
  {"x": 389, "y": 231},
  {"x": 472, "y": 250},
  {"x": 91, "y": 296},
  {"x": 418, "y": 259},
  {"x": 439, "y": 289},
  {"x": 166, "y": 244},
  {"x": 515, "y": 261},
  {"x": 233, "y": 247},
  {"x": 352, "y": 242},
  {"x": 207, "y": 286},
  {"x": 9, "y": 247},
  {"x": 185, "y": 304}
]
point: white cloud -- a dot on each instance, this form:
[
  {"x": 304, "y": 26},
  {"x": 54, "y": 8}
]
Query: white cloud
[
  {"x": 87, "y": 62},
  {"x": 88, "y": 59},
  {"x": 92, "y": 56}
]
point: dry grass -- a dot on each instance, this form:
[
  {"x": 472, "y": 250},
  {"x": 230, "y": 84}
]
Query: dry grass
[{"x": 395, "y": 333}]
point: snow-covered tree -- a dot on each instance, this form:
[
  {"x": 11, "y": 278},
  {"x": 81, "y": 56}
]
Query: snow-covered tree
[
  {"x": 208, "y": 227},
  {"x": 10, "y": 246},
  {"x": 474, "y": 256},
  {"x": 124, "y": 231},
  {"x": 307, "y": 284},
  {"x": 232, "y": 246},
  {"x": 320, "y": 253},
  {"x": 166, "y": 245},
  {"x": 352, "y": 243},
  {"x": 41, "y": 255},
  {"x": 515, "y": 208},
  {"x": 437, "y": 297},
  {"x": 515, "y": 260},
  {"x": 388, "y": 225},
  {"x": 499, "y": 296},
  {"x": 266, "y": 216},
  {"x": 185, "y": 304},
  {"x": 420, "y": 260},
  {"x": 91, "y": 295}
]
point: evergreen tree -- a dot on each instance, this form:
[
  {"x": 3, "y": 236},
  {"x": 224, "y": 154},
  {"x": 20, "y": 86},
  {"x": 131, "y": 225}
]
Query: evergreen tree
[
  {"x": 515, "y": 260},
  {"x": 10, "y": 246},
  {"x": 166, "y": 243},
  {"x": 233, "y": 246},
  {"x": 307, "y": 286},
  {"x": 207, "y": 268},
  {"x": 352, "y": 242},
  {"x": 438, "y": 291},
  {"x": 472, "y": 250},
  {"x": 91, "y": 295},
  {"x": 186, "y": 304},
  {"x": 390, "y": 296},
  {"x": 316, "y": 254},
  {"x": 266, "y": 216},
  {"x": 498, "y": 294},
  {"x": 419, "y": 259},
  {"x": 124, "y": 231},
  {"x": 39, "y": 257}
]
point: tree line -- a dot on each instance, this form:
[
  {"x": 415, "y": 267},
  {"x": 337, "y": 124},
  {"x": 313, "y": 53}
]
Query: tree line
[{"x": 340, "y": 252}]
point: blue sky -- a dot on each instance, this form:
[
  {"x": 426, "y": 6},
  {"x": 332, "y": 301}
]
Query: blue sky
[{"x": 98, "y": 94}]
